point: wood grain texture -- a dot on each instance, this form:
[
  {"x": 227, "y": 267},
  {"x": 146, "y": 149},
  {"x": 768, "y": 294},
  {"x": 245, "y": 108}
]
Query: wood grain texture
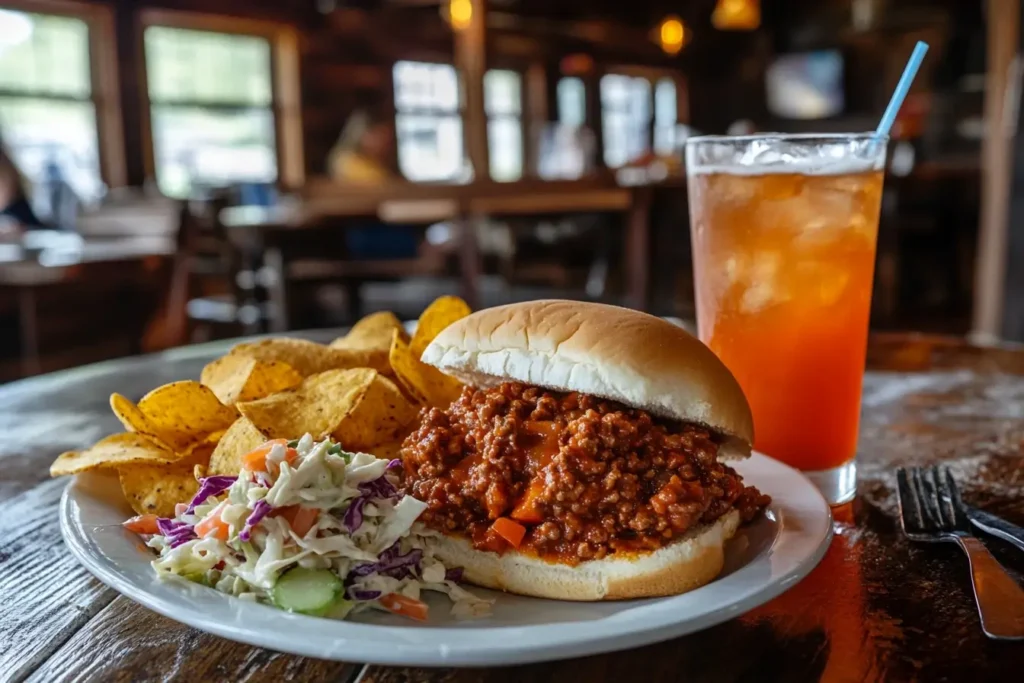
[
  {"x": 876, "y": 608},
  {"x": 126, "y": 642},
  {"x": 47, "y": 595}
]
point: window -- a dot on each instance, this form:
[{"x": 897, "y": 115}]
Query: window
[
  {"x": 211, "y": 109},
  {"x": 665, "y": 117},
  {"x": 503, "y": 103},
  {"x": 49, "y": 111},
  {"x": 625, "y": 118},
  {"x": 572, "y": 101},
  {"x": 428, "y": 121}
]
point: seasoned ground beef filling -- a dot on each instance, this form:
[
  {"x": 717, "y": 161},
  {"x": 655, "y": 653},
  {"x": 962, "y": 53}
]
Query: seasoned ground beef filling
[{"x": 586, "y": 477}]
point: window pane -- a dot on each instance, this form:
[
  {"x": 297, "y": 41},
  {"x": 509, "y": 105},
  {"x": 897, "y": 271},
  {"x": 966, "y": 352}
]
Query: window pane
[
  {"x": 423, "y": 86},
  {"x": 572, "y": 101},
  {"x": 43, "y": 54},
  {"x": 502, "y": 92},
  {"x": 429, "y": 147},
  {"x": 195, "y": 147},
  {"x": 625, "y": 118},
  {"x": 44, "y": 132},
  {"x": 505, "y": 148},
  {"x": 665, "y": 103},
  {"x": 199, "y": 66}
]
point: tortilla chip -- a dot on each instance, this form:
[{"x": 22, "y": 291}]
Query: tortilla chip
[
  {"x": 317, "y": 406},
  {"x": 184, "y": 413},
  {"x": 371, "y": 337},
  {"x": 440, "y": 314},
  {"x": 155, "y": 489},
  {"x": 134, "y": 420},
  {"x": 240, "y": 378},
  {"x": 382, "y": 414},
  {"x": 371, "y": 333},
  {"x": 422, "y": 382},
  {"x": 241, "y": 438},
  {"x": 388, "y": 451},
  {"x": 306, "y": 357},
  {"x": 114, "y": 451}
]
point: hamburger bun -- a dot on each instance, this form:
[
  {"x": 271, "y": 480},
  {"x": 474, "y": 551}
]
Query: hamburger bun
[
  {"x": 614, "y": 353},
  {"x": 688, "y": 562}
]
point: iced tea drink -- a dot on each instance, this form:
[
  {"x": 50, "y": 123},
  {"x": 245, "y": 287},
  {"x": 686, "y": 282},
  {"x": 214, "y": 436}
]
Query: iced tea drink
[{"x": 784, "y": 231}]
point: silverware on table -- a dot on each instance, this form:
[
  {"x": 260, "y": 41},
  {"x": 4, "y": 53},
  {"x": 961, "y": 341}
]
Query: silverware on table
[
  {"x": 931, "y": 510},
  {"x": 996, "y": 526}
]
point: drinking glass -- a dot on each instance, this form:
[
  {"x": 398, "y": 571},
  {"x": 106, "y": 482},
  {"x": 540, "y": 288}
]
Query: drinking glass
[{"x": 784, "y": 230}]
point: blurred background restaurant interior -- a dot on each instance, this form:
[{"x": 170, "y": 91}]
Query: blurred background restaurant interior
[{"x": 183, "y": 170}]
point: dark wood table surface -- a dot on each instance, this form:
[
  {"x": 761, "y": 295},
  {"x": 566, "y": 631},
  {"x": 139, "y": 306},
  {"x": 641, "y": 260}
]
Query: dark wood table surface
[{"x": 876, "y": 608}]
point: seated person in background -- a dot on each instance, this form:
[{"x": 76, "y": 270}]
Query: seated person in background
[
  {"x": 13, "y": 199},
  {"x": 364, "y": 156},
  {"x": 365, "y": 151}
]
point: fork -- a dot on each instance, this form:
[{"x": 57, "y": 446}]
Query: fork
[{"x": 931, "y": 511}]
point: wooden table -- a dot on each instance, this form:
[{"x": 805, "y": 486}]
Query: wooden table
[
  {"x": 67, "y": 259},
  {"x": 877, "y": 608},
  {"x": 465, "y": 206}
]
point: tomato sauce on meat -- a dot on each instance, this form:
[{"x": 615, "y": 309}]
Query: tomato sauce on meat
[{"x": 585, "y": 476}]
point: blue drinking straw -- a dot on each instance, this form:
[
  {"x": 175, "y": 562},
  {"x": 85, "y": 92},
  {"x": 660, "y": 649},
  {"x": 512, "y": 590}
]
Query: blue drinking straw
[{"x": 889, "y": 117}]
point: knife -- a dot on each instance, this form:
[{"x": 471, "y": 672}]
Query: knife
[{"x": 994, "y": 526}]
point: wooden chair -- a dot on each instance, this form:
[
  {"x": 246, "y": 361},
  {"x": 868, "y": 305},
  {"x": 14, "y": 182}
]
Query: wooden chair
[
  {"x": 316, "y": 255},
  {"x": 213, "y": 291}
]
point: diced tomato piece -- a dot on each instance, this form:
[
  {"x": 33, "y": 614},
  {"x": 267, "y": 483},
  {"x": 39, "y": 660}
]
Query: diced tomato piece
[
  {"x": 528, "y": 508},
  {"x": 212, "y": 526},
  {"x": 143, "y": 524},
  {"x": 300, "y": 519},
  {"x": 511, "y": 531},
  {"x": 256, "y": 461},
  {"x": 396, "y": 603}
]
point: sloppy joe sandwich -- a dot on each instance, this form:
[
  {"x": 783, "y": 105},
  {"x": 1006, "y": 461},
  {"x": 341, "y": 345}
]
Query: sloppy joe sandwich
[{"x": 584, "y": 460}]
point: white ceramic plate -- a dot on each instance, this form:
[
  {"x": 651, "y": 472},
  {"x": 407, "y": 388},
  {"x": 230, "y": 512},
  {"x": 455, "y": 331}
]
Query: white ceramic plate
[{"x": 762, "y": 561}]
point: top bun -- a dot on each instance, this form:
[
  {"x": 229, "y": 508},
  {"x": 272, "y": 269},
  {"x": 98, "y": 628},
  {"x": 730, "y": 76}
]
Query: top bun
[{"x": 607, "y": 351}]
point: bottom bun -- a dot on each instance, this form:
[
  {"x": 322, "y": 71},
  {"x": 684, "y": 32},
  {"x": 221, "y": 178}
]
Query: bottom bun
[{"x": 688, "y": 562}]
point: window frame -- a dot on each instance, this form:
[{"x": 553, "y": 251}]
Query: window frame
[
  {"x": 286, "y": 97},
  {"x": 104, "y": 83}
]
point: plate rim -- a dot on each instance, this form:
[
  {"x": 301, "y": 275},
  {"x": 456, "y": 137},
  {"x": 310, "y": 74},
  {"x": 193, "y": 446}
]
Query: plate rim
[{"x": 376, "y": 643}]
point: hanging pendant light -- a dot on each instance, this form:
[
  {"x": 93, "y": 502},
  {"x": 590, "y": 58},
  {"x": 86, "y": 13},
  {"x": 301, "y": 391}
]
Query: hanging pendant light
[
  {"x": 737, "y": 15},
  {"x": 458, "y": 13},
  {"x": 672, "y": 35}
]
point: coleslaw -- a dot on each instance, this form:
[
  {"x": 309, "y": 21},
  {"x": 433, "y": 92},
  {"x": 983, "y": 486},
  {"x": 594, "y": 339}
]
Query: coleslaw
[{"x": 308, "y": 527}]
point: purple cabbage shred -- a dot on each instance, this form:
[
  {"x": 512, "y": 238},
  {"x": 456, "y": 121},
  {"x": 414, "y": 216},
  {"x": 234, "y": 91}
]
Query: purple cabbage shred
[
  {"x": 454, "y": 574},
  {"x": 210, "y": 486},
  {"x": 394, "y": 464},
  {"x": 353, "y": 518},
  {"x": 259, "y": 511},
  {"x": 391, "y": 564},
  {"x": 379, "y": 488},
  {"x": 174, "y": 531},
  {"x": 357, "y": 594}
]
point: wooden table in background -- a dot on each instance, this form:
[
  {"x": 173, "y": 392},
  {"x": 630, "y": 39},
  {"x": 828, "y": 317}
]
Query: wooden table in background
[
  {"x": 26, "y": 272},
  {"x": 465, "y": 206},
  {"x": 877, "y": 608}
]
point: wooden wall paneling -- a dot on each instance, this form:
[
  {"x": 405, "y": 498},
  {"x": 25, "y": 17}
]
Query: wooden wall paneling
[
  {"x": 536, "y": 114},
  {"x": 1002, "y": 97},
  {"x": 471, "y": 63}
]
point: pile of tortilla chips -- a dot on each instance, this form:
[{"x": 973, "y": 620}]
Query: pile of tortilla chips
[{"x": 363, "y": 390}]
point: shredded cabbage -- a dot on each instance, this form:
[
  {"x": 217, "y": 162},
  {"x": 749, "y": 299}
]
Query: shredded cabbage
[{"x": 363, "y": 530}]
